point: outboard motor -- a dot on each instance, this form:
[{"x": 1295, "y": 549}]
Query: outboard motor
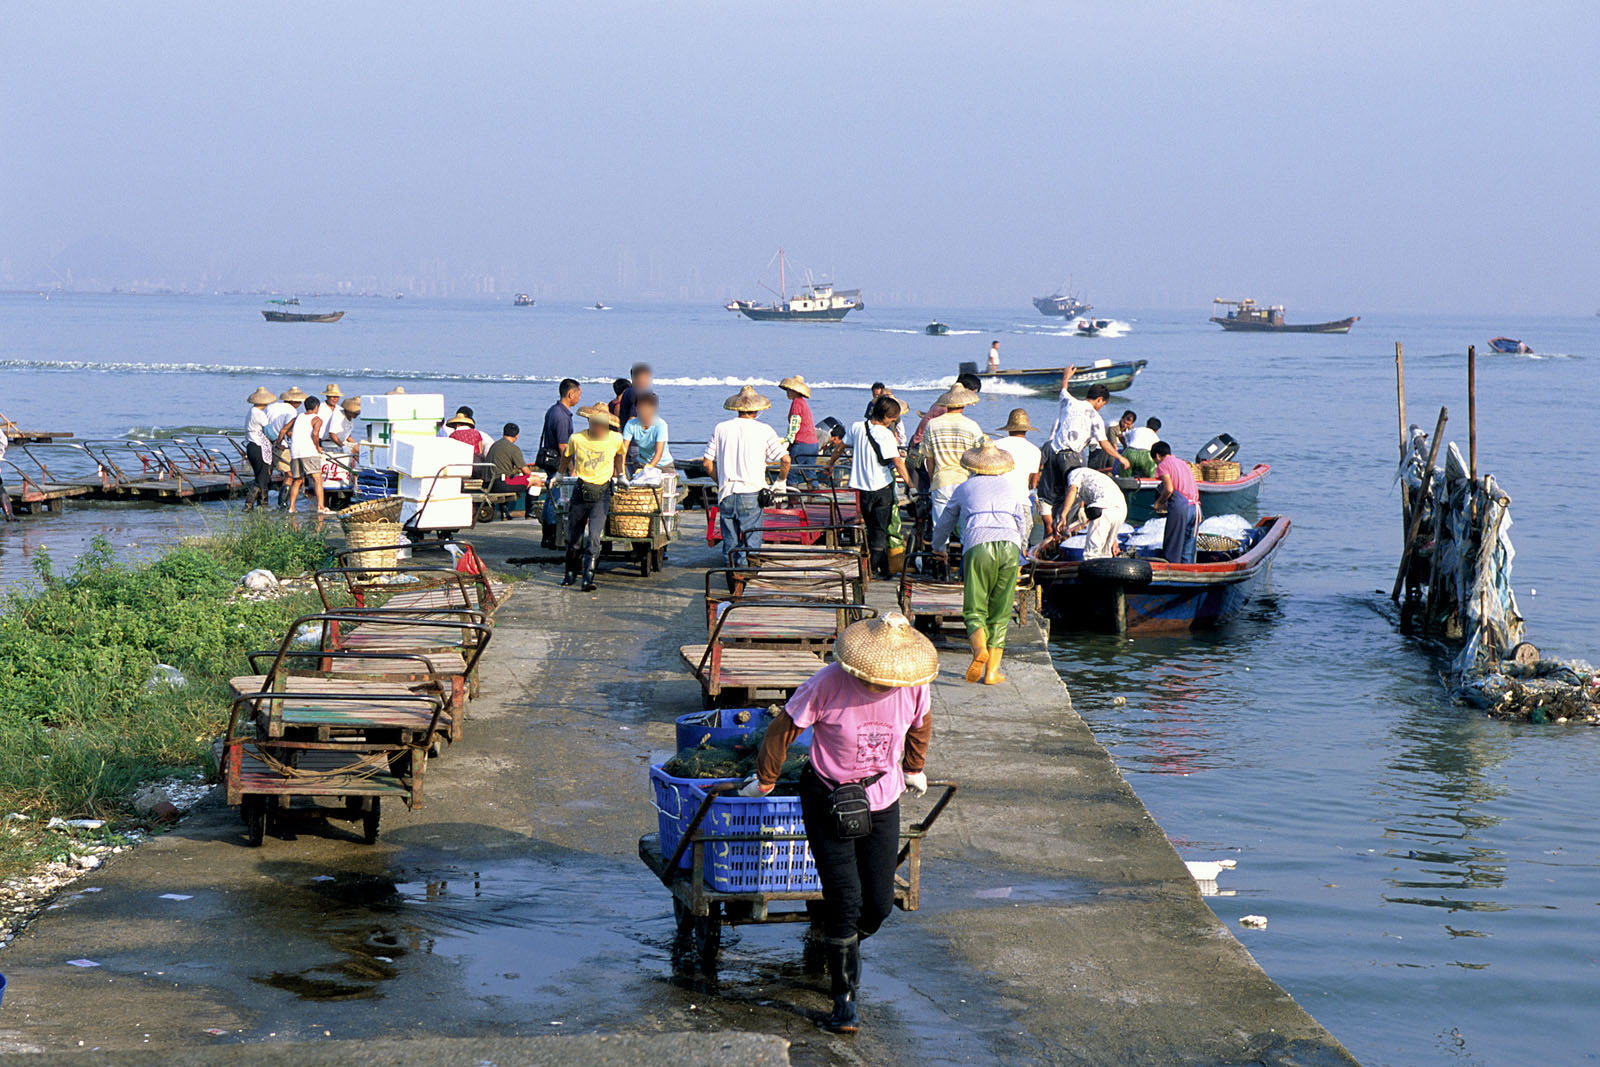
[
  {"x": 1220, "y": 447},
  {"x": 968, "y": 367},
  {"x": 826, "y": 427}
]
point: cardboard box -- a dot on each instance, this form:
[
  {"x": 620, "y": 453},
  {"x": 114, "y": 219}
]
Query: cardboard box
[
  {"x": 424, "y": 457},
  {"x": 395, "y": 407}
]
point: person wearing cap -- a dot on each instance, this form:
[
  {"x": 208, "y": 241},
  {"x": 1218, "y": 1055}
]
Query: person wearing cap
[
  {"x": 463, "y": 429},
  {"x": 1179, "y": 497},
  {"x": 801, "y": 439},
  {"x": 736, "y": 457},
  {"x": 258, "y": 447},
  {"x": 996, "y": 522},
  {"x": 870, "y": 713},
  {"x": 1027, "y": 455},
  {"x": 349, "y": 412},
  {"x": 279, "y": 415},
  {"x": 304, "y": 438},
  {"x": 640, "y": 378},
  {"x": 1105, "y": 509},
  {"x": 945, "y": 440},
  {"x": 328, "y": 412},
  {"x": 594, "y": 457},
  {"x": 874, "y": 463}
]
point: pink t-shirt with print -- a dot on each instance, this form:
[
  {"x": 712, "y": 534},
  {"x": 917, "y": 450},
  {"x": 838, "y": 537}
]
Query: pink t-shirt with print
[{"x": 856, "y": 732}]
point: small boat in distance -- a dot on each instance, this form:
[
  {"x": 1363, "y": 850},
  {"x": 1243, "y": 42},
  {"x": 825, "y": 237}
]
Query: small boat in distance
[
  {"x": 1091, "y": 327},
  {"x": 1113, "y": 375},
  {"x": 1062, "y": 303},
  {"x": 295, "y": 316},
  {"x": 815, "y": 302},
  {"x": 522, "y": 300},
  {"x": 598, "y": 306},
  {"x": 937, "y": 329},
  {"x": 1510, "y": 346},
  {"x": 1246, "y": 316}
]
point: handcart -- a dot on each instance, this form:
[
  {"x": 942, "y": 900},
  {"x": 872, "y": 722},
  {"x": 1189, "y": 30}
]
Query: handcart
[
  {"x": 703, "y": 903},
  {"x": 641, "y": 523}
]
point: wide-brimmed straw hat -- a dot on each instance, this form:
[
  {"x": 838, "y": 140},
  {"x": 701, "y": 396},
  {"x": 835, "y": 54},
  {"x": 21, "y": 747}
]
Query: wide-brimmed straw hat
[
  {"x": 1018, "y": 422},
  {"x": 332, "y": 389},
  {"x": 747, "y": 399},
  {"x": 886, "y": 650},
  {"x": 599, "y": 413},
  {"x": 459, "y": 419},
  {"x": 293, "y": 395},
  {"x": 796, "y": 383},
  {"x": 398, "y": 390},
  {"x": 987, "y": 458},
  {"x": 262, "y": 396},
  {"x": 958, "y": 396},
  {"x": 351, "y": 406}
]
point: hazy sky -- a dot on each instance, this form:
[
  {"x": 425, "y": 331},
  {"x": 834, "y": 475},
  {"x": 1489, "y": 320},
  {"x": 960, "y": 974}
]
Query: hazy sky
[{"x": 1341, "y": 157}]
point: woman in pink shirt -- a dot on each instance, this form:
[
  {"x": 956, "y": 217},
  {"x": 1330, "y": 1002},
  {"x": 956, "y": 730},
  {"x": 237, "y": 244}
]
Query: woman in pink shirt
[
  {"x": 1181, "y": 498},
  {"x": 870, "y": 717},
  {"x": 462, "y": 428},
  {"x": 801, "y": 438}
]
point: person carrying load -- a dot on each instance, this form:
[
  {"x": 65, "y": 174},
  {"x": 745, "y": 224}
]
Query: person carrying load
[
  {"x": 595, "y": 457},
  {"x": 871, "y": 719}
]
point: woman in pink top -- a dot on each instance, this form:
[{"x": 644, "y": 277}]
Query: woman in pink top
[
  {"x": 462, "y": 428},
  {"x": 870, "y": 718},
  {"x": 802, "y": 435},
  {"x": 1181, "y": 498}
]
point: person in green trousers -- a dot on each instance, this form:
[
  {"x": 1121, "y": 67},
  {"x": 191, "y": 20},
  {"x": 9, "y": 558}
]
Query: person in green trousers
[{"x": 995, "y": 523}]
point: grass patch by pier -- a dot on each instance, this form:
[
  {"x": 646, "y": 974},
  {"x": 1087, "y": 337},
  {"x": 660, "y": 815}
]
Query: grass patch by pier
[{"x": 82, "y": 724}]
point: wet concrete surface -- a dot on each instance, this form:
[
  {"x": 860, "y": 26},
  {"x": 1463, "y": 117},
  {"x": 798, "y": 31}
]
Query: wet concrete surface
[{"x": 1058, "y": 925}]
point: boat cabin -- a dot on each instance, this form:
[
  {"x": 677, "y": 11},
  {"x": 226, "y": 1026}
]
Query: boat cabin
[{"x": 1246, "y": 311}]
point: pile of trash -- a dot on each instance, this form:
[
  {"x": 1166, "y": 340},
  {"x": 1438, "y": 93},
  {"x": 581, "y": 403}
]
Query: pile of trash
[
  {"x": 1537, "y": 690},
  {"x": 734, "y": 759}
]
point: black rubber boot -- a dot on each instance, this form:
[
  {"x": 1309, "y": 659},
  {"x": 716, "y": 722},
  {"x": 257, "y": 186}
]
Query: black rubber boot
[
  {"x": 572, "y": 569},
  {"x": 844, "y": 974},
  {"x": 588, "y": 574}
]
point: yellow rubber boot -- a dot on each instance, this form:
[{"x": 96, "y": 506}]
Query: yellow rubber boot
[
  {"x": 980, "y": 655},
  {"x": 992, "y": 675}
]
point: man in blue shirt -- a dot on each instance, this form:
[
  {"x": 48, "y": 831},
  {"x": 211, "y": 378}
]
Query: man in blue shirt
[{"x": 557, "y": 428}]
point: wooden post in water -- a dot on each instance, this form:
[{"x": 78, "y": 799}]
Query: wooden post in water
[
  {"x": 1400, "y": 390},
  {"x": 1422, "y": 496},
  {"x": 1472, "y": 427}
]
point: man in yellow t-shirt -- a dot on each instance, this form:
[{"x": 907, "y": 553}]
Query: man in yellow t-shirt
[{"x": 595, "y": 457}]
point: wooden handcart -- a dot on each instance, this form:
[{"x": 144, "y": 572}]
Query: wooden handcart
[
  {"x": 931, "y": 595},
  {"x": 639, "y": 528},
  {"x": 733, "y": 672}
]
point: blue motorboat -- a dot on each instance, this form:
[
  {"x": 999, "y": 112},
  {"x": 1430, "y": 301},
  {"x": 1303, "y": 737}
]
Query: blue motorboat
[{"x": 1115, "y": 376}]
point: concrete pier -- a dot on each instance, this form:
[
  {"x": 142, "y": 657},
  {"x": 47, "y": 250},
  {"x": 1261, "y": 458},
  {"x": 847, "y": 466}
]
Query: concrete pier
[{"x": 1058, "y": 924}]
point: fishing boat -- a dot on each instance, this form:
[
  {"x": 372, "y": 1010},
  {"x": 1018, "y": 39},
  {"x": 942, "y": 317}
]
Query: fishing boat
[
  {"x": 1115, "y": 376},
  {"x": 815, "y": 301},
  {"x": 296, "y": 316},
  {"x": 1091, "y": 327},
  {"x": 598, "y": 306},
  {"x": 1237, "y": 497},
  {"x": 1510, "y": 346},
  {"x": 1141, "y": 597},
  {"x": 1062, "y": 303},
  {"x": 936, "y": 329},
  {"x": 293, "y": 301},
  {"x": 1246, "y": 316},
  {"x": 522, "y": 300}
]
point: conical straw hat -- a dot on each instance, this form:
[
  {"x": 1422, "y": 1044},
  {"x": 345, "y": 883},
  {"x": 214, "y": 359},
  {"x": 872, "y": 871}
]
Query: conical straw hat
[
  {"x": 398, "y": 390},
  {"x": 958, "y": 396},
  {"x": 886, "y": 651},
  {"x": 1018, "y": 421},
  {"x": 988, "y": 459},
  {"x": 747, "y": 399},
  {"x": 460, "y": 419},
  {"x": 351, "y": 406},
  {"x": 294, "y": 395},
  {"x": 599, "y": 413},
  {"x": 797, "y": 383},
  {"x": 262, "y": 396},
  {"x": 332, "y": 389}
]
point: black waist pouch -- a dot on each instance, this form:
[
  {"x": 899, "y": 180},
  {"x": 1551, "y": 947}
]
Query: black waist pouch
[
  {"x": 591, "y": 493},
  {"x": 852, "y": 814}
]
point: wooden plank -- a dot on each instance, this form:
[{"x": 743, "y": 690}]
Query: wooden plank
[{"x": 754, "y": 667}]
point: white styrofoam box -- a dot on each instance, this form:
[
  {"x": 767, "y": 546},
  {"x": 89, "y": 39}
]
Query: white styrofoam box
[
  {"x": 376, "y": 456},
  {"x": 423, "y": 457},
  {"x": 453, "y": 513},
  {"x": 429, "y": 488},
  {"x": 386, "y": 432},
  {"x": 391, "y": 407}
]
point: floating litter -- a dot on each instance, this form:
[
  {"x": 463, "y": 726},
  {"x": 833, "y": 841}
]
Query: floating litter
[
  {"x": 993, "y": 894},
  {"x": 83, "y": 963},
  {"x": 1253, "y": 922},
  {"x": 176, "y": 896}
]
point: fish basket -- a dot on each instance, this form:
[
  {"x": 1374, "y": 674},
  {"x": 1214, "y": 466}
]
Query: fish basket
[
  {"x": 631, "y": 513},
  {"x": 1194, "y": 469},
  {"x": 1220, "y": 470},
  {"x": 386, "y": 509},
  {"x": 736, "y": 866},
  {"x": 1208, "y": 542},
  {"x": 382, "y": 534}
]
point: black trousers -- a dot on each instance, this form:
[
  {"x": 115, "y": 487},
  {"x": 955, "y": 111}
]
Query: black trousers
[
  {"x": 586, "y": 514},
  {"x": 877, "y": 508},
  {"x": 857, "y": 876},
  {"x": 261, "y": 471}
]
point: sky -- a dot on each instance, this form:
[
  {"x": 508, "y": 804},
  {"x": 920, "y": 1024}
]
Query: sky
[{"x": 1340, "y": 157}]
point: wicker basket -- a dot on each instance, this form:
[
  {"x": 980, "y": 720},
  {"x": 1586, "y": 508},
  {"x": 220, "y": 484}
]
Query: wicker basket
[
  {"x": 1194, "y": 469},
  {"x": 369, "y": 511},
  {"x": 631, "y": 511},
  {"x": 380, "y": 534},
  {"x": 1207, "y": 542},
  {"x": 1220, "y": 470}
]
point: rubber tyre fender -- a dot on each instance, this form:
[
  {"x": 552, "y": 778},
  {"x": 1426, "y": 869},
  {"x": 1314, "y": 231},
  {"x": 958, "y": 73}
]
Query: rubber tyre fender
[{"x": 1116, "y": 570}]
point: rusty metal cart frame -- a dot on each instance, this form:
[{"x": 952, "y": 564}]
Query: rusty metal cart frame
[
  {"x": 647, "y": 552},
  {"x": 702, "y": 912}
]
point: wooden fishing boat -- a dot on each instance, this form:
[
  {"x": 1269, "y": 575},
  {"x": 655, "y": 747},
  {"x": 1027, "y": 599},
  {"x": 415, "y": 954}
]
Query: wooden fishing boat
[
  {"x": 1510, "y": 346},
  {"x": 296, "y": 316},
  {"x": 936, "y": 329},
  {"x": 1115, "y": 376},
  {"x": 1137, "y": 597},
  {"x": 1246, "y": 316},
  {"x": 1238, "y": 497}
]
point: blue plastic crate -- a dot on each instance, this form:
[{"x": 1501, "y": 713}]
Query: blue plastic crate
[
  {"x": 373, "y": 484},
  {"x": 719, "y": 726},
  {"x": 736, "y": 866}
]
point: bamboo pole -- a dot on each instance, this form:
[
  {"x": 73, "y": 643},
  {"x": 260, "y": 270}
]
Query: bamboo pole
[
  {"x": 1472, "y": 427},
  {"x": 1422, "y": 496},
  {"x": 1400, "y": 390}
]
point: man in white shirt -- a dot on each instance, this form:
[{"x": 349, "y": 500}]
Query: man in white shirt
[
  {"x": 279, "y": 415},
  {"x": 736, "y": 458},
  {"x": 1029, "y": 457},
  {"x": 1136, "y": 446},
  {"x": 1079, "y": 425},
  {"x": 874, "y": 463},
  {"x": 1105, "y": 509}
]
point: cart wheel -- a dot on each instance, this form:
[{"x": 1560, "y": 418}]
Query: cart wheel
[
  {"x": 485, "y": 512},
  {"x": 656, "y": 555},
  {"x": 644, "y": 561},
  {"x": 369, "y": 823},
  {"x": 253, "y": 810},
  {"x": 682, "y": 917},
  {"x": 708, "y": 938}
]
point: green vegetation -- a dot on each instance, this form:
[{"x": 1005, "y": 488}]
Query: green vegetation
[{"x": 82, "y": 725}]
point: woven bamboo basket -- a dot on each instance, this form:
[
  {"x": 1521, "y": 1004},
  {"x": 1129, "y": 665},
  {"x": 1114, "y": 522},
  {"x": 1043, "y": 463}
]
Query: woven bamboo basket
[
  {"x": 1220, "y": 470},
  {"x": 1194, "y": 469},
  {"x": 631, "y": 510},
  {"x": 1215, "y": 543},
  {"x": 381, "y": 534},
  {"x": 385, "y": 509}
]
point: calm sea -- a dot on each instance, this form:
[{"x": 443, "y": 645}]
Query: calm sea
[{"x": 1429, "y": 876}]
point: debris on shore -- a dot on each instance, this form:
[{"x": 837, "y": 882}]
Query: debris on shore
[{"x": 1537, "y": 690}]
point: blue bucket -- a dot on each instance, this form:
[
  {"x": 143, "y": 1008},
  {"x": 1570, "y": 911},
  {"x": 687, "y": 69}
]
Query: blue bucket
[{"x": 2, "y": 987}]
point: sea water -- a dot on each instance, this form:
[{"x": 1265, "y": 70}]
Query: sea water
[{"x": 1429, "y": 876}]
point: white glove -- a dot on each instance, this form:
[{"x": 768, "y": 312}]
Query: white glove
[
  {"x": 753, "y": 788},
  {"x": 916, "y": 783}
]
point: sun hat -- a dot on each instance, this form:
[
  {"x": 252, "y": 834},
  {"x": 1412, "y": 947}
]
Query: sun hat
[
  {"x": 398, "y": 390},
  {"x": 988, "y": 459},
  {"x": 351, "y": 406},
  {"x": 293, "y": 395},
  {"x": 957, "y": 396},
  {"x": 598, "y": 413},
  {"x": 262, "y": 396},
  {"x": 796, "y": 383},
  {"x": 458, "y": 419},
  {"x": 747, "y": 399},
  {"x": 1018, "y": 421},
  {"x": 332, "y": 389},
  {"x": 886, "y": 650}
]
